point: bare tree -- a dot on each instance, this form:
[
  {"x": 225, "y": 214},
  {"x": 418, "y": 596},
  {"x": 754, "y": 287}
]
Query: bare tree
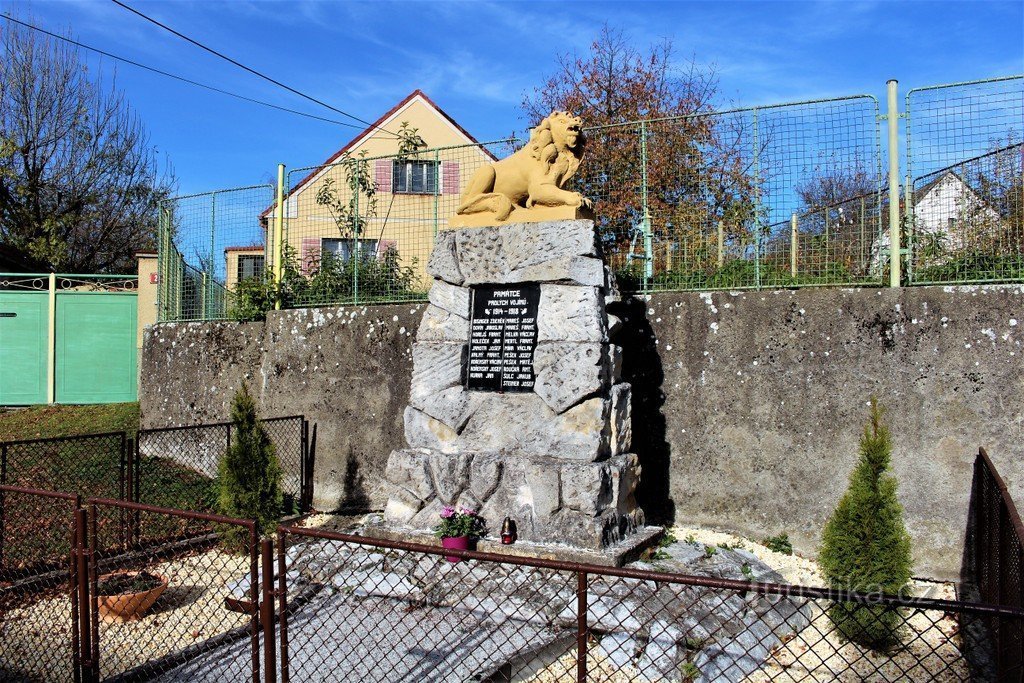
[{"x": 79, "y": 181}]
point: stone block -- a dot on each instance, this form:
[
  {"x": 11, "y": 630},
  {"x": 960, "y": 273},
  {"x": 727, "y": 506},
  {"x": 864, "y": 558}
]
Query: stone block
[
  {"x": 443, "y": 263},
  {"x": 450, "y": 297},
  {"x": 407, "y": 468},
  {"x": 402, "y": 506},
  {"x": 534, "y": 243},
  {"x": 423, "y": 431},
  {"x": 450, "y": 475},
  {"x": 436, "y": 366},
  {"x": 441, "y": 325},
  {"x": 580, "y": 270},
  {"x": 568, "y": 372},
  {"x": 502, "y": 421},
  {"x": 625, "y": 477},
  {"x": 586, "y": 487},
  {"x": 542, "y": 478},
  {"x": 453, "y": 406},
  {"x": 580, "y": 433},
  {"x": 485, "y": 475},
  {"x": 571, "y": 313},
  {"x": 615, "y": 362},
  {"x": 481, "y": 257},
  {"x": 621, "y": 420}
]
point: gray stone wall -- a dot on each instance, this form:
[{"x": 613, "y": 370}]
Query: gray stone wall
[{"x": 747, "y": 407}]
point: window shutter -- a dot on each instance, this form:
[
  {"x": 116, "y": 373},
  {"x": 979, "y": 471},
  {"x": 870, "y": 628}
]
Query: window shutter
[
  {"x": 383, "y": 246},
  {"x": 382, "y": 175},
  {"x": 309, "y": 259},
  {"x": 450, "y": 177}
]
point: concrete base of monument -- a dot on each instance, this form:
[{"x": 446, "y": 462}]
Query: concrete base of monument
[
  {"x": 535, "y": 214},
  {"x": 625, "y": 551}
]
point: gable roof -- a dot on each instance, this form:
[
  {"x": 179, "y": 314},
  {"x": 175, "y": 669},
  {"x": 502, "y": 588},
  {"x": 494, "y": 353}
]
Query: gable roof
[{"x": 379, "y": 125}]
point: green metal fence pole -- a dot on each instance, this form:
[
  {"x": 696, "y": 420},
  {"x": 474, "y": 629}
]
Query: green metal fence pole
[
  {"x": 792, "y": 245},
  {"x": 892, "y": 119},
  {"x": 438, "y": 176},
  {"x": 646, "y": 221},
  {"x": 161, "y": 258},
  {"x": 721, "y": 244},
  {"x": 357, "y": 231},
  {"x": 213, "y": 254},
  {"x": 51, "y": 342},
  {"x": 278, "y": 247},
  {"x": 757, "y": 206},
  {"x": 908, "y": 193}
]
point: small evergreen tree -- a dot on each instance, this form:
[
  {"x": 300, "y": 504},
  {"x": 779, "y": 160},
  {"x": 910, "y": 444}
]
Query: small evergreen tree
[
  {"x": 249, "y": 475},
  {"x": 865, "y": 545}
]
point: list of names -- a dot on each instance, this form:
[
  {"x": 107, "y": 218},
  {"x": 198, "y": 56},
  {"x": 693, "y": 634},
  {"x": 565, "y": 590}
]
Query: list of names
[{"x": 502, "y": 338}]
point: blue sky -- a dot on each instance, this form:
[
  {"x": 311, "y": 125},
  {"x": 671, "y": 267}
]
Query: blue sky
[{"x": 478, "y": 59}]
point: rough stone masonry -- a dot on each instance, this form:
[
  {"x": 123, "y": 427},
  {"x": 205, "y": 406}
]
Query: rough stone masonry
[{"x": 556, "y": 458}]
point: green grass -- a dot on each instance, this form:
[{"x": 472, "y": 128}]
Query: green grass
[{"x": 47, "y": 422}]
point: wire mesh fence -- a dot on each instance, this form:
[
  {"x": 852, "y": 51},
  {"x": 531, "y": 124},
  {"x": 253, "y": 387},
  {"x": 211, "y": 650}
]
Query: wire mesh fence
[
  {"x": 965, "y": 156},
  {"x": 354, "y": 608},
  {"x": 997, "y": 537},
  {"x": 761, "y": 197},
  {"x": 785, "y": 195},
  {"x": 177, "y": 466},
  {"x": 344, "y": 607},
  {"x": 156, "y": 608},
  {"x": 39, "y": 606},
  {"x": 208, "y": 243},
  {"x": 361, "y": 230}
]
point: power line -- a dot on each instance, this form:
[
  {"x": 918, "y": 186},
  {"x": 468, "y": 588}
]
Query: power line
[
  {"x": 246, "y": 68},
  {"x": 174, "y": 76}
]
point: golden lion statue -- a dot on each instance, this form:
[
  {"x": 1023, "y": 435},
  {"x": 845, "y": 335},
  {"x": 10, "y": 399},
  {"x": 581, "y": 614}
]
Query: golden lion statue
[{"x": 534, "y": 175}]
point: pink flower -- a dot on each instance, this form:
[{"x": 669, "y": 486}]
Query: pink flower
[
  {"x": 467, "y": 511},
  {"x": 447, "y": 512}
]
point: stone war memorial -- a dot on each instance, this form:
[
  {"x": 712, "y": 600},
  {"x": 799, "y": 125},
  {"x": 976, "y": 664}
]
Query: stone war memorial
[{"x": 517, "y": 408}]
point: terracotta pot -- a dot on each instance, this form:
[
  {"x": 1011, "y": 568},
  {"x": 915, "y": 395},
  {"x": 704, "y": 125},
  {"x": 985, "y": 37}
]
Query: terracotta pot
[
  {"x": 455, "y": 543},
  {"x": 117, "y": 609}
]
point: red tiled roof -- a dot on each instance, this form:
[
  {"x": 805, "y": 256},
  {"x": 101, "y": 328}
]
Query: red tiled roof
[
  {"x": 374, "y": 126},
  {"x": 250, "y": 247}
]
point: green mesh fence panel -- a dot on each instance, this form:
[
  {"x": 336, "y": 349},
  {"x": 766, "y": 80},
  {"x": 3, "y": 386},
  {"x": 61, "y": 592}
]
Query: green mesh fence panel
[
  {"x": 964, "y": 159},
  {"x": 208, "y": 244}
]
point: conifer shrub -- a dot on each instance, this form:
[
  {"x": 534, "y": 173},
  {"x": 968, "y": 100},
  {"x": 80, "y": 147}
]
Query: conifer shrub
[
  {"x": 249, "y": 475},
  {"x": 865, "y": 546}
]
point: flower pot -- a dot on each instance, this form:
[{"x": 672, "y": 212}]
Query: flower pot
[
  {"x": 455, "y": 543},
  {"x": 122, "y": 607}
]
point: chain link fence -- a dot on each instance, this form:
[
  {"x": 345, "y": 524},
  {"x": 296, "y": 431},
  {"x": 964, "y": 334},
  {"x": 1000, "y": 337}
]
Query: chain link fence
[
  {"x": 359, "y": 609},
  {"x": 352, "y": 608},
  {"x": 207, "y": 244},
  {"x": 177, "y": 466},
  {"x": 771, "y": 196},
  {"x": 965, "y": 168},
  {"x": 787, "y": 195}
]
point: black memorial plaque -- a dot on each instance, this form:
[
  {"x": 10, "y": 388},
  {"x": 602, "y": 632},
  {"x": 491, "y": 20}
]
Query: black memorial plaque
[{"x": 502, "y": 337}]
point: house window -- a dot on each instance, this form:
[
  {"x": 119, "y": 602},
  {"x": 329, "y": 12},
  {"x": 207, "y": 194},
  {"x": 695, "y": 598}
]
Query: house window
[
  {"x": 251, "y": 265},
  {"x": 414, "y": 177},
  {"x": 344, "y": 249}
]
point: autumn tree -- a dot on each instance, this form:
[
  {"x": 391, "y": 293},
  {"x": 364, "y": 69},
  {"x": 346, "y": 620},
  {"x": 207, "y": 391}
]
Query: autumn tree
[
  {"x": 697, "y": 172},
  {"x": 79, "y": 181}
]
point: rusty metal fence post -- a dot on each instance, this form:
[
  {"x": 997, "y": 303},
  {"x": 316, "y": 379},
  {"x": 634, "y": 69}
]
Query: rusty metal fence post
[
  {"x": 267, "y": 611},
  {"x": 3, "y": 481},
  {"x": 581, "y": 627},
  {"x": 282, "y": 606},
  {"x": 254, "y": 597}
]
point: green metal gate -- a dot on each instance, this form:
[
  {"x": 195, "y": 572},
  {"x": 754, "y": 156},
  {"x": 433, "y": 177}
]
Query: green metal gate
[
  {"x": 68, "y": 339},
  {"x": 96, "y": 356},
  {"x": 24, "y": 321}
]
